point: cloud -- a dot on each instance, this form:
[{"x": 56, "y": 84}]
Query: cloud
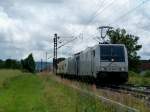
[{"x": 29, "y": 25}]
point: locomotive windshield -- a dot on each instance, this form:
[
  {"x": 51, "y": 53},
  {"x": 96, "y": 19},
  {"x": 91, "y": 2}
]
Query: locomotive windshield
[{"x": 112, "y": 53}]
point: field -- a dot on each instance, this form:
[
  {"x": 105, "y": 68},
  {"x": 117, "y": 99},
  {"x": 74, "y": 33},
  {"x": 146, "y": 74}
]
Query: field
[{"x": 24, "y": 92}]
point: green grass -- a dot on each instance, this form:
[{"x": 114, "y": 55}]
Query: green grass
[
  {"x": 22, "y": 92},
  {"x": 5, "y": 75},
  {"x": 139, "y": 79},
  {"x": 25, "y": 92}
]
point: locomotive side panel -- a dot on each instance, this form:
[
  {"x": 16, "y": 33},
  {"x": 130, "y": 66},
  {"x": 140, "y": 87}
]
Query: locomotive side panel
[
  {"x": 105, "y": 60},
  {"x": 84, "y": 64},
  {"x": 96, "y": 59}
]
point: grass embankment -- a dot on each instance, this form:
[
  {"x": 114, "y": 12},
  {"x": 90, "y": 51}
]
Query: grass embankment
[
  {"x": 22, "y": 92},
  {"x": 139, "y": 79},
  {"x": 5, "y": 75}
]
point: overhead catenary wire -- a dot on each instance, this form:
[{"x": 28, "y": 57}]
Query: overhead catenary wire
[
  {"x": 95, "y": 14},
  {"x": 118, "y": 19},
  {"x": 100, "y": 6},
  {"x": 64, "y": 45},
  {"x": 67, "y": 42},
  {"x": 92, "y": 17},
  {"x": 130, "y": 11},
  {"x": 101, "y": 11}
]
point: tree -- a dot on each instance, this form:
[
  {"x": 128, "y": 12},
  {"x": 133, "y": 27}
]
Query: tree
[
  {"x": 28, "y": 64},
  {"x": 1, "y": 64},
  {"x": 12, "y": 64},
  {"x": 120, "y": 36}
]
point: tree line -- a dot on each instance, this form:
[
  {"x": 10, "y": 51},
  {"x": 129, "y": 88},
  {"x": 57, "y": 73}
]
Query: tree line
[{"x": 27, "y": 64}]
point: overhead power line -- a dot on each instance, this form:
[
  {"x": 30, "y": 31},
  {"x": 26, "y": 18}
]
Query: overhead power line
[
  {"x": 97, "y": 13},
  {"x": 93, "y": 14},
  {"x": 130, "y": 11},
  {"x": 67, "y": 42}
]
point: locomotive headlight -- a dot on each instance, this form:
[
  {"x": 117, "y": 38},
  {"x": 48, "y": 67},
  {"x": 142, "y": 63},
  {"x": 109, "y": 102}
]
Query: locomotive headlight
[
  {"x": 103, "y": 69},
  {"x": 122, "y": 69}
]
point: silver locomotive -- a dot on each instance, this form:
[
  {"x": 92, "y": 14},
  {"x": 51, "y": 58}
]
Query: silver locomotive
[{"x": 104, "y": 62}]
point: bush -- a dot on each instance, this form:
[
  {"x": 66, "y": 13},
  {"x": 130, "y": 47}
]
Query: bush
[
  {"x": 131, "y": 73},
  {"x": 146, "y": 73}
]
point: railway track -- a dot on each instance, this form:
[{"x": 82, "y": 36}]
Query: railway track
[{"x": 142, "y": 92}]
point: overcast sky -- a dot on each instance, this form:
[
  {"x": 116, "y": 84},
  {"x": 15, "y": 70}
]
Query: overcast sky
[{"x": 28, "y": 26}]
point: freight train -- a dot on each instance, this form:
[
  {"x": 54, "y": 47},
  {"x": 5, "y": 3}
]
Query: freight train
[{"x": 107, "y": 63}]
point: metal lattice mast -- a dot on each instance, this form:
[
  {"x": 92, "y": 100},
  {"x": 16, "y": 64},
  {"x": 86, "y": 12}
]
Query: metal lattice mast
[{"x": 55, "y": 53}]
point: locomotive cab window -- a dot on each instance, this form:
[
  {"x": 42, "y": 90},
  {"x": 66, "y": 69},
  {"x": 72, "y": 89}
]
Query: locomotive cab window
[
  {"x": 94, "y": 53},
  {"x": 109, "y": 53}
]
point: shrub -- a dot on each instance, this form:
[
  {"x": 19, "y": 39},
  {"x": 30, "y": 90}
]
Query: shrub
[
  {"x": 131, "y": 73},
  {"x": 146, "y": 73}
]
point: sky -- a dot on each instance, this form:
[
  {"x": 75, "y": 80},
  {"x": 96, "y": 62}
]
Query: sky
[{"x": 28, "y": 26}]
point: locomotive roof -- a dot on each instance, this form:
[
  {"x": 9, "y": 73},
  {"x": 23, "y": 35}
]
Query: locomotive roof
[
  {"x": 112, "y": 44},
  {"x": 90, "y": 48}
]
